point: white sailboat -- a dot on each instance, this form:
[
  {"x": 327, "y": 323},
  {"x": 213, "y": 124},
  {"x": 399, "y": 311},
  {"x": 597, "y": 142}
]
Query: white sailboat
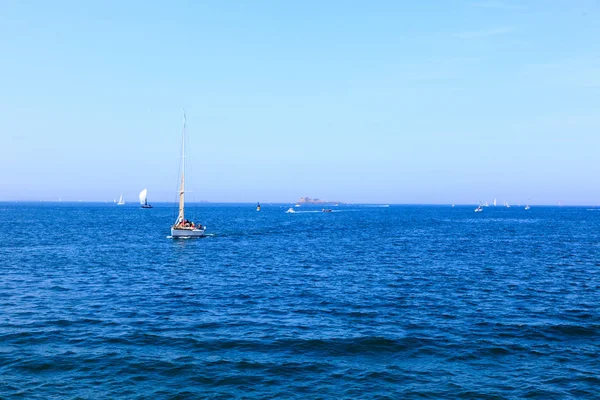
[
  {"x": 144, "y": 199},
  {"x": 494, "y": 202},
  {"x": 121, "y": 201},
  {"x": 183, "y": 228},
  {"x": 479, "y": 209}
]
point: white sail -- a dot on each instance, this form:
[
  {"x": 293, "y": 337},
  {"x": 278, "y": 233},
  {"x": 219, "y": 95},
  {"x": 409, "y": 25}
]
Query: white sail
[
  {"x": 144, "y": 197},
  {"x": 121, "y": 201},
  {"x": 494, "y": 202}
]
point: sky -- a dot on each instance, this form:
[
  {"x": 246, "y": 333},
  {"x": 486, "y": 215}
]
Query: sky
[{"x": 368, "y": 102}]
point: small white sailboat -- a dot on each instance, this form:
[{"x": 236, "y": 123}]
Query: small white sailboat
[
  {"x": 183, "y": 228},
  {"x": 290, "y": 210},
  {"x": 121, "y": 201},
  {"x": 527, "y": 205},
  {"x": 479, "y": 208},
  {"x": 144, "y": 199},
  {"x": 486, "y": 204}
]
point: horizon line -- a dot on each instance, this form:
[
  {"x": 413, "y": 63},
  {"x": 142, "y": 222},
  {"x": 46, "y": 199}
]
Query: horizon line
[{"x": 285, "y": 203}]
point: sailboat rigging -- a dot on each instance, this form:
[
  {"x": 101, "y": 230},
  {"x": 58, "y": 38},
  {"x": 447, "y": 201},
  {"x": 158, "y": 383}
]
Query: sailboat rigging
[{"x": 183, "y": 228}]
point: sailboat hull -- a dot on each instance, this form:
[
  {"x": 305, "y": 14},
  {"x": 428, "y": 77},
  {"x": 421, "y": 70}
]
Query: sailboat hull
[{"x": 187, "y": 233}]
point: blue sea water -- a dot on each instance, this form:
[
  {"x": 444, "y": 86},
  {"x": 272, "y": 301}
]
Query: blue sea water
[{"x": 363, "y": 302}]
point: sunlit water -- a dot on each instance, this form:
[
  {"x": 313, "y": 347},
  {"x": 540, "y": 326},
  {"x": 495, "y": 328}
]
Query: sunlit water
[{"x": 363, "y": 302}]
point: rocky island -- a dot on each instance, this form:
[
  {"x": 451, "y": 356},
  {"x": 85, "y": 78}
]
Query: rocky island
[{"x": 308, "y": 200}]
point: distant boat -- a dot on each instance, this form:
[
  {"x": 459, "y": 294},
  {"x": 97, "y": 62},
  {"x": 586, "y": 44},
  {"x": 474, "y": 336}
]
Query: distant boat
[
  {"x": 494, "y": 202},
  {"x": 479, "y": 209},
  {"x": 258, "y": 207},
  {"x": 297, "y": 205},
  {"x": 183, "y": 228},
  {"x": 121, "y": 201},
  {"x": 144, "y": 199},
  {"x": 290, "y": 210},
  {"x": 486, "y": 204},
  {"x": 326, "y": 210},
  {"x": 527, "y": 207},
  {"x": 506, "y": 204},
  {"x": 114, "y": 200}
]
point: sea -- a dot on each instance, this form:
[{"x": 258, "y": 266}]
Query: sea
[{"x": 364, "y": 302}]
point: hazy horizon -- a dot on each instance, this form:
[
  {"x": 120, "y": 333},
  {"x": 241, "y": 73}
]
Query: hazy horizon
[
  {"x": 266, "y": 203},
  {"x": 390, "y": 103}
]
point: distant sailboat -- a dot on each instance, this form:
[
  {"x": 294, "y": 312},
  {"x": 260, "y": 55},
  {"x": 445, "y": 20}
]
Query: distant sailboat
[
  {"x": 527, "y": 206},
  {"x": 479, "y": 208},
  {"x": 494, "y": 202},
  {"x": 121, "y": 201},
  {"x": 506, "y": 204},
  {"x": 258, "y": 207},
  {"x": 183, "y": 228},
  {"x": 144, "y": 199}
]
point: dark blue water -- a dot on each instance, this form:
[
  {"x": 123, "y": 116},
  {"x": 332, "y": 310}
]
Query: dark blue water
[{"x": 366, "y": 302}]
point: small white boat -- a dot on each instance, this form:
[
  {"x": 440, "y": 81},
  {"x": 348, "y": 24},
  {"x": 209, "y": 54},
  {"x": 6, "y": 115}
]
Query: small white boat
[
  {"x": 479, "y": 209},
  {"x": 297, "y": 205},
  {"x": 144, "y": 199},
  {"x": 290, "y": 210},
  {"x": 183, "y": 228},
  {"x": 494, "y": 202},
  {"x": 527, "y": 207},
  {"x": 121, "y": 201}
]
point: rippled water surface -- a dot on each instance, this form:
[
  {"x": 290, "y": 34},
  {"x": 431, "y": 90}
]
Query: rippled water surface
[{"x": 363, "y": 302}]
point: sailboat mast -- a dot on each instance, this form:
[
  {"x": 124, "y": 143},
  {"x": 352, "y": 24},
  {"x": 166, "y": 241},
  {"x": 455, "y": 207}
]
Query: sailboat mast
[{"x": 181, "y": 190}]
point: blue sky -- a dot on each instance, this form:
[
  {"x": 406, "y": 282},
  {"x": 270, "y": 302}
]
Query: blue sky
[{"x": 389, "y": 101}]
